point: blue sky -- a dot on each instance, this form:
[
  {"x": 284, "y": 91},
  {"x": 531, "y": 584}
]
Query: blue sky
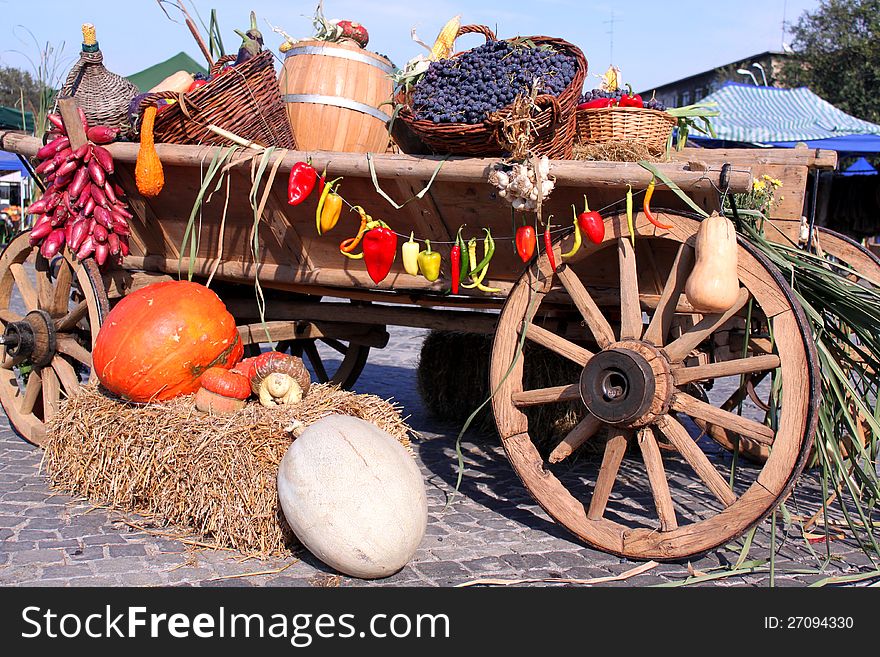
[{"x": 654, "y": 42}]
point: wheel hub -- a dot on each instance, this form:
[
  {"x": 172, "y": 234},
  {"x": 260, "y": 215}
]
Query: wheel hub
[
  {"x": 628, "y": 384},
  {"x": 31, "y": 339}
]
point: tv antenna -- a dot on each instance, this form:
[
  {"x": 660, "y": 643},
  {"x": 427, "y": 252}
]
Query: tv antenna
[
  {"x": 784, "y": 11},
  {"x": 611, "y": 32}
]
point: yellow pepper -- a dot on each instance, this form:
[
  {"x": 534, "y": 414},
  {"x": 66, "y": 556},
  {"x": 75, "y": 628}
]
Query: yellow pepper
[
  {"x": 329, "y": 208},
  {"x": 577, "y": 237},
  {"x": 429, "y": 263},
  {"x": 410, "y": 253}
]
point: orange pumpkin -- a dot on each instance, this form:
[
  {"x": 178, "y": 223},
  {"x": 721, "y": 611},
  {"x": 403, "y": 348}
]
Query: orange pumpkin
[
  {"x": 156, "y": 343},
  {"x": 222, "y": 391}
]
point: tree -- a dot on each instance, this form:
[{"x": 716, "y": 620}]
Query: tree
[
  {"x": 15, "y": 84},
  {"x": 837, "y": 55}
]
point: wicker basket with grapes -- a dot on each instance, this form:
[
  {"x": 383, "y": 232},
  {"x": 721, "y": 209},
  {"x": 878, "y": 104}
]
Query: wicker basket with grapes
[{"x": 461, "y": 104}]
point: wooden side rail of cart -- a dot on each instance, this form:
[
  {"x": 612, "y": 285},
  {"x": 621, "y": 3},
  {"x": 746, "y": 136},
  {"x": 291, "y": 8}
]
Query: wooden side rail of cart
[{"x": 616, "y": 310}]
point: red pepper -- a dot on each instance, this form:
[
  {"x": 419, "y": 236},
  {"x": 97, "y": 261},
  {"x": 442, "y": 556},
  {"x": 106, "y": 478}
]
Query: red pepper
[
  {"x": 380, "y": 247},
  {"x": 455, "y": 263},
  {"x": 526, "y": 241},
  {"x": 196, "y": 84},
  {"x": 301, "y": 182},
  {"x": 548, "y": 244},
  {"x": 630, "y": 99},
  {"x": 598, "y": 103},
  {"x": 591, "y": 224}
]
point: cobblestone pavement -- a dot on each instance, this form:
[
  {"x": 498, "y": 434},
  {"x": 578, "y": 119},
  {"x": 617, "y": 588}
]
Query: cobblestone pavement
[{"x": 492, "y": 529}]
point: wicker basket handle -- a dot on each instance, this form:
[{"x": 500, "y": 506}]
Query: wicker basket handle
[
  {"x": 555, "y": 110},
  {"x": 220, "y": 63},
  {"x": 477, "y": 29}
]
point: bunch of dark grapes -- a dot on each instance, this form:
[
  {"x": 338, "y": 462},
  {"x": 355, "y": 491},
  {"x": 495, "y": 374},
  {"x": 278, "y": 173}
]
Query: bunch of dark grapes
[
  {"x": 467, "y": 88},
  {"x": 653, "y": 103}
]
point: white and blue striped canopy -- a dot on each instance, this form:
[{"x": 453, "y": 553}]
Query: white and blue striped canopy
[{"x": 769, "y": 115}]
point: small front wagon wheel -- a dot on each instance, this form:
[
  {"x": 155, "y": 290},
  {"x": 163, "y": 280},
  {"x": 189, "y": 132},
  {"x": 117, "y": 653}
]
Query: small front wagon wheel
[
  {"x": 50, "y": 313},
  {"x": 644, "y": 365}
]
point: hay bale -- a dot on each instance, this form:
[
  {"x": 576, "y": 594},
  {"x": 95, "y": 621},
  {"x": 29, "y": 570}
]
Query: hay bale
[
  {"x": 453, "y": 380},
  {"x": 214, "y": 475},
  {"x": 615, "y": 151}
]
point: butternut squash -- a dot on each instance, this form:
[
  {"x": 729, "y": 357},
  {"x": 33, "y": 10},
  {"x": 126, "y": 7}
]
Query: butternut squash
[
  {"x": 179, "y": 82},
  {"x": 148, "y": 172},
  {"x": 713, "y": 285}
]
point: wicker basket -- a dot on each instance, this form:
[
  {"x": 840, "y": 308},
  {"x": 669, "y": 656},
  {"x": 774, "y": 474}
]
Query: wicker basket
[
  {"x": 555, "y": 123},
  {"x": 244, "y": 100},
  {"x": 648, "y": 127}
]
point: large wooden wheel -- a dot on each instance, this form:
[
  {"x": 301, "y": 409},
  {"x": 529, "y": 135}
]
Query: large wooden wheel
[
  {"x": 643, "y": 365},
  {"x": 50, "y": 312},
  {"x": 849, "y": 252}
]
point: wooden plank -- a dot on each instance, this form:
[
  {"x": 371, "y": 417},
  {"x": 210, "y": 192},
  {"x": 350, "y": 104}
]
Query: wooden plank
[
  {"x": 630, "y": 310},
  {"x": 580, "y": 434},
  {"x": 612, "y": 175},
  {"x": 679, "y": 349},
  {"x": 657, "y": 479},
  {"x": 72, "y": 122},
  {"x": 684, "y": 375},
  {"x": 558, "y": 344},
  {"x": 816, "y": 158},
  {"x": 691, "y": 452},
  {"x": 615, "y": 449}
]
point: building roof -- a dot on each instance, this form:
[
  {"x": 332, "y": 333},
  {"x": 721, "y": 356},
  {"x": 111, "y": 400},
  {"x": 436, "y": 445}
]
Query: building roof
[
  {"x": 765, "y": 54},
  {"x": 150, "y": 77}
]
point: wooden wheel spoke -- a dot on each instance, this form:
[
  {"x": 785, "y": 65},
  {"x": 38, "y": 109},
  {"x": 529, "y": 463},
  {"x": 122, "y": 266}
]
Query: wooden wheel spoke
[
  {"x": 745, "y": 427},
  {"x": 72, "y": 318},
  {"x": 615, "y": 448},
  {"x": 311, "y": 351},
  {"x": 686, "y": 375},
  {"x": 630, "y": 308},
  {"x": 657, "y": 479},
  {"x": 540, "y": 335},
  {"x": 582, "y": 432},
  {"x": 691, "y": 452},
  {"x": 51, "y": 393},
  {"x": 595, "y": 320},
  {"x": 7, "y": 316},
  {"x": 679, "y": 349},
  {"x": 61, "y": 293},
  {"x": 336, "y": 345},
  {"x": 25, "y": 286},
  {"x": 31, "y": 393},
  {"x": 540, "y": 396},
  {"x": 68, "y": 345},
  {"x": 67, "y": 375},
  {"x": 661, "y": 321}
]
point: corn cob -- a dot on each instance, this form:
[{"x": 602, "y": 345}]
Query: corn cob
[{"x": 446, "y": 39}]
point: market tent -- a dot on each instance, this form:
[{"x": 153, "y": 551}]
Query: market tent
[
  {"x": 11, "y": 119},
  {"x": 770, "y": 116},
  {"x": 150, "y": 77},
  {"x": 11, "y": 162},
  {"x": 860, "y": 167}
]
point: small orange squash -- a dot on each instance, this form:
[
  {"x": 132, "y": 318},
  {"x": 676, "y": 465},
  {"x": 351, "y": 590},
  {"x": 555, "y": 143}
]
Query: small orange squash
[
  {"x": 157, "y": 341},
  {"x": 148, "y": 174},
  {"x": 222, "y": 391}
]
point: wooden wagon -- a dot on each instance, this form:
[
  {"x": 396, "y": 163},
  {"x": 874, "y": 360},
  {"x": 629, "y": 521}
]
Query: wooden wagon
[{"x": 615, "y": 310}]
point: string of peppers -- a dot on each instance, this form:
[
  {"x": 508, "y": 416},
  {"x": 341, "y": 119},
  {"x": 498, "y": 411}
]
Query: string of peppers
[{"x": 379, "y": 242}]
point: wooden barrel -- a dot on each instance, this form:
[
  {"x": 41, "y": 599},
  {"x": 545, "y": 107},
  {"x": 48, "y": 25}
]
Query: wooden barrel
[{"x": 334, "y": 94}]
